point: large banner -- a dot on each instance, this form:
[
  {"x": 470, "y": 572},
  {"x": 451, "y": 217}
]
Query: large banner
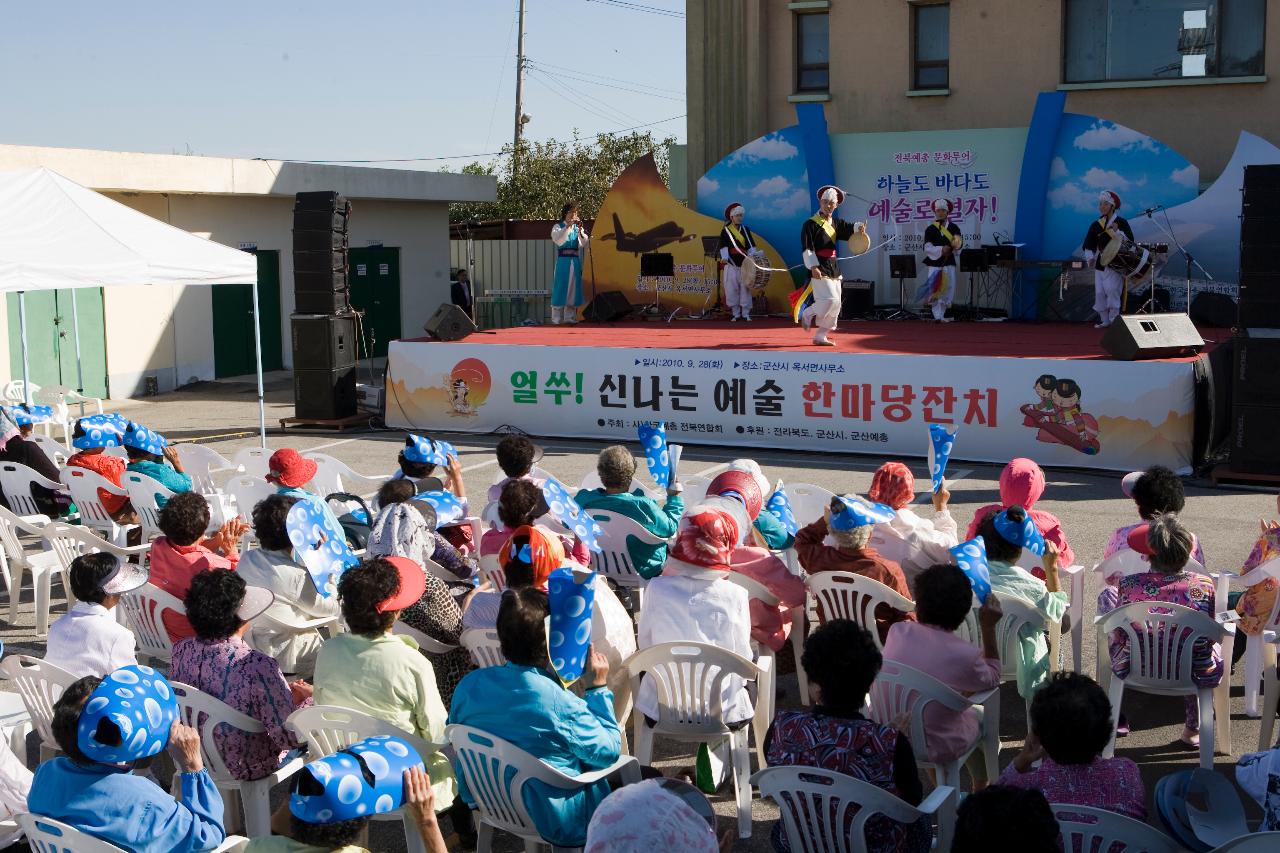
[{"x": 843, "y": 402}]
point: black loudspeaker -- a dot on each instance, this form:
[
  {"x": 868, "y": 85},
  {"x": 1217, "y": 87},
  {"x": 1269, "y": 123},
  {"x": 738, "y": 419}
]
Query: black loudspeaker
[
  {"x": 902, "y": 266},
  {"x": 608, "y": 306},
  {"x": 1260, "y": 300},
  {"x": 320, "y": 220},
  {"x": 323, "y": 341},
  {"x": 325, "y": 394},
  {"x": 1152, "y": 336},
  {"x": 1262, "y": 176},
  {"x": 1213, "y": 309},
  {"x": 449, "y": 323},
  {"x": 320, "y": 282},
  {"x": 1260, "y": 230},
  {"x": 857, "y": 299},
  {"x": 1253, "y": 445},
  {"x": 1256, "y": 377},
  {"x": 322, "y": 302},
  {"x": 1075, "y": 306},
  {"x": 307, "y": 240},
  {"x": 321, "y": 200},
  {"x": 656, "y": 264},
  {"x": 1259, "y": 257},
  {"x": 320, "y": 263}
]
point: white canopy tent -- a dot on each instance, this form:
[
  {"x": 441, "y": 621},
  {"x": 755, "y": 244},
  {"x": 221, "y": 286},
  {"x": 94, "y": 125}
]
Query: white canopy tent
[{"x": 57, "y": 234}]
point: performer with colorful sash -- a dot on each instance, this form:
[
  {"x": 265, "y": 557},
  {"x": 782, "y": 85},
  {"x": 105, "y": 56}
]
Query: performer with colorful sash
[
  {"x": 570, "y": 239},
  {"x": 736, "y": 242},
  {"x": 1108, "y": 284},
  {"x": 818, "y": 303},
  {"x": 941, "y": 242}
]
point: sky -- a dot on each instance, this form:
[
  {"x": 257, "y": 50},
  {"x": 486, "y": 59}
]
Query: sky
[{"x": 329, "y": 81}]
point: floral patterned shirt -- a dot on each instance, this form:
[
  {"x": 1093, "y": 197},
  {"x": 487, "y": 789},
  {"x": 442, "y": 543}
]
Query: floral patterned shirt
[
  {"x": 1113, "y": 784},
  {"x": 1259, "y": 600},
  {"x": 1190, "y": 589}
]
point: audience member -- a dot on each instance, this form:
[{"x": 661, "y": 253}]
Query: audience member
[
  {"x": 415, "y": 467},
  {"x": 151, "y": 455},
  {"x": 1008, "y": 579},
  {"x": 21, "y": 450},
  {"x": 15, "y": 784},
  {"x": 1168, "y": 547},
  {"x": 617, "y": 467},
  {"x": 1004, "y": 818},
  {"x": 91, "y": 441},
  {"x": 851, "y": 530},
  {"x": 219, "y": 662},
  {"x": 183, "y": 552},
  {"x": 841, "y": 660},
  {"x": 516, "y": 457},
  {"x": 523, "y": 703},
  {"x": 1258, "y": 775},
  {"x": 914, "y": 543},
  {"x": 1256, "y": 603},
  {"x": 943, "y": 601},
  {"x": 1062, "y": 756},
  {"x": 648, "y": 817},
  {"x": 521, "y": 503},
  {"x": 291, "y": 473},
  {"x": 88, "y": 639},
  {"x": 1022, "y": 484},
  {"x": 768, "y": 530},
  {"x": 271, "y": 566},
  {"x": 110, "y": 802},
  {"x": 404, "y": 527}
]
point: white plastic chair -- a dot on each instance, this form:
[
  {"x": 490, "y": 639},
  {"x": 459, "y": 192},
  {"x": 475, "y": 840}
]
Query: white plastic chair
[
  {"x": 900, "y": 689},
  {"x": 329, "y": 728},
  {"x": 143, "y": 492},
  {"x": 15, "y": 559},
  {"x": 206, "y": 713},
  {"x": 13, "y": 392},
  {"x": 808, "y": 502},
  {"x": 484, "y": 647},
  {"x": 535, "y": 473},
  {"x": 1017, "y": 613},
  {"x": 84, "y": 485},
  {"x": 495, "y": 772},
  {"x": 425, "y": 642},
  {"x": 592, "y": 481},
  {"x": 39, "y": 684},
  {"x": 695, "y": 489},
  {"x": 46, "y": 835},
  {"x": 1161, "y": 636},
  {"x": 254, "y": 461},
  {"x": 1086, "y": 829},
  {"x": 248, "y": 490},
  {"x": 62, "y": 544},
  {"x": 824, "y": 811},
  {"x": 334, "y": 475},
  {"x": 491, "y": 572},
  {"x": 1254, "y": 842},
  {"x": 16, "y": 482},
  {"x": 62, "y": 398},
  {"x": 57, "y": 452},
  {"x": 845, "y": 595},
  {"x": 613, "y": 560},
  {"x": 201, "y": 463},
  {"x": 689, "y": 678},
  {"x": 1072, "y": 580},
  {"x": 1260, "y": 652},
  {"x": 144, "y": 608}
]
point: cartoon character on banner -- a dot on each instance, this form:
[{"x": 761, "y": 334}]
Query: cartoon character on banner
[
  {"x": 131, "y": 710},
  {"x": 366, "y": 778},
  {"x": 971, "y": 557},
  {"x": 942, "y": 440},
  {"x": 449, "y": 509},
  {"x": 566, "y": 510},
  {"x": 662, "y": 458},
  {"x": 1058, "y": 418},
  {"x": 318, "y": 545},
  {"x": 1024, "y": 534},
  {"x": 570, "y": 595},
  {"x": 780, "y": 505}
]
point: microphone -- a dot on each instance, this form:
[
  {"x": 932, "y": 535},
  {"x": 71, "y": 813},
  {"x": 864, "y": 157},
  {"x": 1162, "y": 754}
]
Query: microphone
[{"x": 1151, "y": 210}]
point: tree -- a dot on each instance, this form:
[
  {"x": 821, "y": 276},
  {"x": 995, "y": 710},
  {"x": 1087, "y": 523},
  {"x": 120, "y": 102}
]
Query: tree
[{"x": 553, "y": 172}]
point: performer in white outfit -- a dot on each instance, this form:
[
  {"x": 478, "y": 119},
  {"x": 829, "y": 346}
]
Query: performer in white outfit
[
  {"x": 941, "y": 242},
  {"x": 736, "y": 242},
  {"x": 1108, "y": 284},
  {"x": 818, "y": 304}
]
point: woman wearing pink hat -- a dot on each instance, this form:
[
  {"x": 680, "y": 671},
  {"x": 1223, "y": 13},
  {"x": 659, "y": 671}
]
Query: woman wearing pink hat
[
  {"x": 1108, "y": 284},
  {"x": 736, "y": 242}
]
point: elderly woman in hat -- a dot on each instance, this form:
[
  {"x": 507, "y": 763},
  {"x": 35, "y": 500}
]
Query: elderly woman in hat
[
  {"x": 850, "y": 521},
  {"x": 736, "y": 242},
  {"x": 291, "y": 472},
  {"x": 942, "y": 241},
  {"x": 151, "y": 454},
  {"x": 913, "y": 542},
  {"x": 21, "y": 450},
  {"x": 88, "y": 639},
  {"x": 91, "y": 437}
]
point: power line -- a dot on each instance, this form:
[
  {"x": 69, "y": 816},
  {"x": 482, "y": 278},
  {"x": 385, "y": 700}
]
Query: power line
[
  {"x": 640, "y": 7},
  {"x": 551, "y": 86},
  {"x": 569, "y": 75},
  {"x": 394, "y": 159},
  {"x": 603, "y": 105},
  {"x": 612, "y": 79},
  {"x": 506, "y": 57}
]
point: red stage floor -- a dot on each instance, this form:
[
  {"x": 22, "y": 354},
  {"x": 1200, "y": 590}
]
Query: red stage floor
[{"x": 1003, "y": 340}]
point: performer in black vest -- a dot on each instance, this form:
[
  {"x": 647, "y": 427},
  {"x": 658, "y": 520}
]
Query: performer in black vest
[
  {"x": 942, "y": 241},
  {"x": 818, "y": 303},
  {"x": 1108, "y": 284},
  {"x": 736, "y": 242}
]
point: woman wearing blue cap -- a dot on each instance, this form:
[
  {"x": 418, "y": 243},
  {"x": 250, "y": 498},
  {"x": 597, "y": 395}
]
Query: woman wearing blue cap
[{"x": 148, "y": 453}]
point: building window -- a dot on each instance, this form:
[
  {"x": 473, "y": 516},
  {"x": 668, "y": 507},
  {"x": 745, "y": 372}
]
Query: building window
[
  {"x": 1117, "y": 40},
  {"x": 813, "y": 68},
  {"x": 930, "y": 45}
]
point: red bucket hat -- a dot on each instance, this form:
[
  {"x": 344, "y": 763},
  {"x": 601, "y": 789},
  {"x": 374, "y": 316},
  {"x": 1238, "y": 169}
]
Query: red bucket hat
[
  {"x": 740, "y": 483},
  {"x": 290, "y": 468},
  {"x": 413, "y": 582}
]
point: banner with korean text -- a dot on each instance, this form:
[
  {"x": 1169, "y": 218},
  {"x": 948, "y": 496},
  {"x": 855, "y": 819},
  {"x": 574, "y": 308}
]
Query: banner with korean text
[{"x": 842, "y": 402}]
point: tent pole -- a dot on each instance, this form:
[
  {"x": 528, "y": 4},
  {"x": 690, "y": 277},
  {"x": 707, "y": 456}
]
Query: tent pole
[
  {"x": 22, "y": 325},
  {"x": 257, "y": 357},
  {"x": 75, "y": 323}
]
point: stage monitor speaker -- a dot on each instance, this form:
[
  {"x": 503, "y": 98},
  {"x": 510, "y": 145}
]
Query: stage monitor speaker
[
  {"x": 1138, "y": 336},
  {"x": 857, "y": 299},
  {"x": 902, "y": 266},
  {"x": 309, "y": 240},
  {"x": 1260, "y": 300},
  {"x": 323, "y": 341},
  {"x": 322, "y": 301},
  {"x": 325, "y": 394},
  {"x": 656, "y": 264},
  {"x": 449, "y": 323},
  {"x": 974, "y": 260},
  {"x": 608, "y": 306},
  {"x": 1256, "y": 377},
  {"x": 1213, "y": 309}
]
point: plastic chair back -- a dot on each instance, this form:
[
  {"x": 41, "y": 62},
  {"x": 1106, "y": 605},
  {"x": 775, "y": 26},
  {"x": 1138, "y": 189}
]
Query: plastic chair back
[
  {"x": 425, "y": 642},
  {"x": 144, "y": 492},
  {"x": 57, "y": 452},
  {"x": 253, "y": 461},
  {"x": 39, "y": 684},
  {"x": 613, "y": 560},
  {"x": 808, "y": 502},
  {"x": 144, "y": 608},
  {"x": 84, "y": 485},
  {"x": 484, "y": 646},
  {"x": 491, "y": 572},
  {"x": 16, "y": 481},
  {"x": 900, "y": 689},
  {"x": 46, "y": 835},
  {"x": 200, "y": 463},
  {"x": 329, "y": 728},
  {"x": 1085, "y": 828},
  {"x": 204, "y": 713},
  {"x": 248, "y": 490},
  {"x": 845, "y": 595},
  {"x": 592, "y": 481},
  {"x": 1161, "y": 638},
  {"x": 689, "y": 678}
]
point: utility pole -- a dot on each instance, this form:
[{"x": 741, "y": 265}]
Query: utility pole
[{"x": 520, "y": 119}]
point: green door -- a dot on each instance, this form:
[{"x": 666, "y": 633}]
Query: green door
[
  {"x": 233, "y": 319},
  {"x": 375, "y": 290},
  {"x": 51, "y": 339}
]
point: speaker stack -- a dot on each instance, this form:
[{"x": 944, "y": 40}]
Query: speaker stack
[
  {"x": 1255, "y": 385},
  {"x": 324, "y": 328}
]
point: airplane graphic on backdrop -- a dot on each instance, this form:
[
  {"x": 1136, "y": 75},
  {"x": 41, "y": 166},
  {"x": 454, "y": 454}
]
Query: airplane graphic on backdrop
[{"x": 647, "y": 241}]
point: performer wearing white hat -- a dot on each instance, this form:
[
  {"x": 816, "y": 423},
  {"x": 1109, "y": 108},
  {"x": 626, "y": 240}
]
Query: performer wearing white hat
[
  {"x": 941, "y": 242},
  {"x": 736, "y": 242},
  {"x": 818, "y": 238},
  {"x": 1108, "y": 284}
]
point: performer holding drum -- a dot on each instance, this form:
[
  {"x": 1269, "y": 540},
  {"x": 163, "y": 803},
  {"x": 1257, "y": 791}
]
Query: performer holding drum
[
  {"x": 736, "y": 244},
  {"x": 1105, "y": 234},
  {"x": 819, "y": 303}
]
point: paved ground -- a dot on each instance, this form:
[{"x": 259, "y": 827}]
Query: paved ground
[{"x": 1090, "y": 505}]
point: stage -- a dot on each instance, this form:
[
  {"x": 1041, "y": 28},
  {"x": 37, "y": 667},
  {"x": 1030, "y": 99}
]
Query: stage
[{"x": 764, "y": 384}]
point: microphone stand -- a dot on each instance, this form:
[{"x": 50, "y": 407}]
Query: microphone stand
[{"x": 1187, "y": 256}]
